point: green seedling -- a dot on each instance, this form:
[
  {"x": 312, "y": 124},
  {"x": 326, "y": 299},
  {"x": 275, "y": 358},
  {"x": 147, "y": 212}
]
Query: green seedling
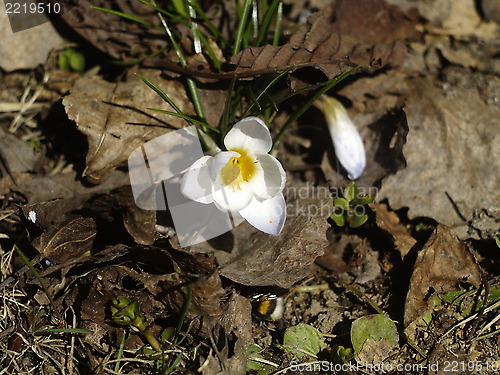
[
  {"x": 71, "y": 59},
  {"x": 351, "y": 209},
  {"x": 125, "y": 311}
]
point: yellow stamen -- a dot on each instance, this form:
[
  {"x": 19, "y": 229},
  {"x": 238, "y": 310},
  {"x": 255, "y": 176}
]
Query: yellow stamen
[{"x": 238, "y": 169}]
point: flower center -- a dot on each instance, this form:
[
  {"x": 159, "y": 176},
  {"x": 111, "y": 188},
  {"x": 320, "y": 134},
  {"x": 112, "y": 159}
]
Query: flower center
[{"x": 237, "y": 170}]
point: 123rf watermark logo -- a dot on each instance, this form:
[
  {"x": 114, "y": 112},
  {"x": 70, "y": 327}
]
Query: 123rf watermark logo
[
  {"x": 25, "y": 14},
  {"x": 472, "y": 367}
]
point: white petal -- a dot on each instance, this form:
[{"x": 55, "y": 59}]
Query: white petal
[
  {"x": 268, "y": 215},
  {"x": 348, "y": 144},
  {"x": 218, "y": 162},
  {"x": 230, "y": 198},
  {"x": 249, "y": 134},
  {"x": 196, "y": 183},
  {"x": 269, "y": 178}
]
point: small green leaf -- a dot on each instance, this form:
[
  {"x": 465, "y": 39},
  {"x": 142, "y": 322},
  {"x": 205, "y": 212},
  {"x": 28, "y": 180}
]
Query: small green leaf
[
  {"x": 338, "y": 218},
  {"x": 451, "y": 296},
  {"x": 341, "y": 203},
  {"x": 357, "y": 221},
  {"x": 427, "y": 318},
  {"x": 497, "y": 240},
  {"x": 340, "y": 355},
  {"x": 375, "y": 327},
  {"x": 168, "y": 334},
  {"x": 351, "y": 191},
  {"x": 63, "y": 61},
  {"x": 362, "y": 201},
  {"x": 77, "y": 62},
  {"x": 304, "y": 337}
]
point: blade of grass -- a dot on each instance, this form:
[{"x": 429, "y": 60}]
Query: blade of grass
[
  {"x": 255, "y": 19},
  {"x": 268, "y": 17},
  {"x": 173, "y": 17},
  {"x": 277, "y": 28},
  {"x": 187, "y": 118},
  {"x": 63, "y": 330},
  {"x": 193, "y": 90},
  {"x": 252, "y": 97},
  {"x": 242, "y": 26},
  {"x": 266, "y": 89},
  {"x": 194, "y": 29},
  {"x": 139, "y": 60},
  {"x": 160, "y": 92},
  {"x": 210, "y": 51},
  {"x": 120, "y": 352},
  {"x": 40, "y": 280},
  {"x": 331, "y": 83},
  {"x": 227, "y": 107},
  {"x": 173, "y": 365},
  {"x": 184, "y": 311},
  {"x": 126, "y": 16},
  {"x": 179, "y": 7},
  {"x": 214, "y": 30}
]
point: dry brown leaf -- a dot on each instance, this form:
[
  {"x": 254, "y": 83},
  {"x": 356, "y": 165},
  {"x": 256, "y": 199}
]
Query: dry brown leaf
[
  {"x": 114, "y": 35},
  {"x": 376, "y": 351},
  {"x": 68, "y": 240},
  {"x": 261, "y": 260},
  {"x": 452, "y": 160},
  {"x": 115, "y": 119},
  {"x": 347, "y": 33},
  {"x": 67, "y": 186},
  {"x": 18, "y": 161},
  {"x": 440, "y": 265},
  {"x": 389, "y": 222}
]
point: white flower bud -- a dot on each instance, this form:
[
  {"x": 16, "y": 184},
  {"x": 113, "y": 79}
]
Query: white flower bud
[{"x": 348, "y": 144}]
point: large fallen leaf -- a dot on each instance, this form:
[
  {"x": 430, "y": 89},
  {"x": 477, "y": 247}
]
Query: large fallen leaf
[
  {"x": 452, "y": 160},
  {"x": 440, "y": 265},
  {"x": 115, "y": 119},
  {"x": 254, "y": 258},
  {"x": 364, "y": 32}
]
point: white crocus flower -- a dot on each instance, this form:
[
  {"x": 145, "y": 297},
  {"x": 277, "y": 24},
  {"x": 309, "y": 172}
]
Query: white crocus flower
[
  {"x": 346, "y": 139},
  {"x": 245, "y": 179}
]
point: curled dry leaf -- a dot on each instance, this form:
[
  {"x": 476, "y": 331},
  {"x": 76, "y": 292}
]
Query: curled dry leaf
[
  {"x": 456, "y": 183},
  {"x": 440, "y": 265},
  {"x": 346, "y": 33},
  {"x": 68, "y": 240},
  {"x": 115, "y": 119}
]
